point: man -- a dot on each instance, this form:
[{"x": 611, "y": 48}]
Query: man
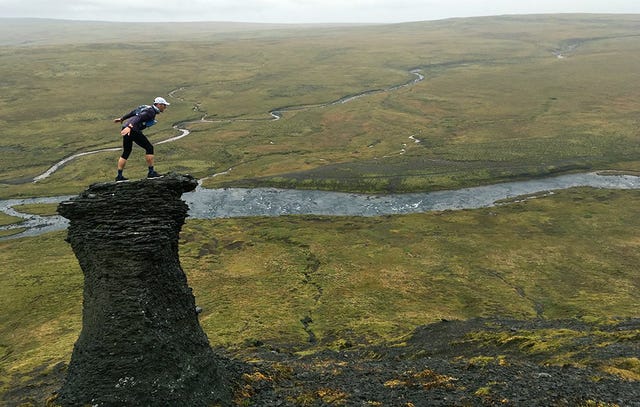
[{"x": 132, "y": 125}]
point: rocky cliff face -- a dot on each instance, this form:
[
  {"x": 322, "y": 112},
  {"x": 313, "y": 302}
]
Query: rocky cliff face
[{"x": 141, "y": 342}]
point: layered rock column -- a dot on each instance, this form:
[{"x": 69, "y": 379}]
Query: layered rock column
[{"x": 141, "y": 342}]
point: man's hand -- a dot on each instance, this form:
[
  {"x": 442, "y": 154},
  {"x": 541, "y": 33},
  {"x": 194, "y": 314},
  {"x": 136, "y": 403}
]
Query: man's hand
[{"x": 126, "y": 131}]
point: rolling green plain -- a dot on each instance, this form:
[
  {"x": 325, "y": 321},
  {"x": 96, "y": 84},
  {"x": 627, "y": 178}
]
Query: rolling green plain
[{"x": 503, "y": 98}]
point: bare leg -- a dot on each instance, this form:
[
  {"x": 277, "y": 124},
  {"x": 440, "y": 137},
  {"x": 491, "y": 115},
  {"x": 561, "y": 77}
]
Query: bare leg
[
  {"x": 121, "y": 163},
  {"x": 149, "y": 158}
]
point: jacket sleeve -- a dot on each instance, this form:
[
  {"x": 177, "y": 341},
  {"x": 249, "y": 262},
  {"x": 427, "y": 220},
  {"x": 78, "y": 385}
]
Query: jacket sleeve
[{"x": 128, "y": 115}]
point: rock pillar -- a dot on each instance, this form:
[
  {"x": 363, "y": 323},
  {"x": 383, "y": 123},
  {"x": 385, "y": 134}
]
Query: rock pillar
[{"x": 141, "y": 343}]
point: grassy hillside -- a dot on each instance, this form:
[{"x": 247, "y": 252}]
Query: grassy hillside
[
  {"x": 572, "y": 255},
  {"x": 497, "y": 102},
  {"x": 377, "y": 278},
  {"x": 502, "y": 98}
]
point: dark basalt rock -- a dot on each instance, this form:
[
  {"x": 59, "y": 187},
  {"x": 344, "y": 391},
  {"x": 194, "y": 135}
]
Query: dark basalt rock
[{"x": 141, "y": 342}]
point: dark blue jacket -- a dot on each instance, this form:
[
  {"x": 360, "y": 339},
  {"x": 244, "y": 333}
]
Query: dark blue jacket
[{"x": 140, "y": 118}]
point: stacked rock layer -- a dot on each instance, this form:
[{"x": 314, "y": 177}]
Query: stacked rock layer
[{"x": 141, "y": 342}]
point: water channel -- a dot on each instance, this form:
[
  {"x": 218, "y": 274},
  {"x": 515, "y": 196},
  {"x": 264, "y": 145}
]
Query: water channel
[{"x": 238, "y": 202}]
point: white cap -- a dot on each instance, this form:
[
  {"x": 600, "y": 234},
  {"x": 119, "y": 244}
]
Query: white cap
[{"x": 160, "y": 101}]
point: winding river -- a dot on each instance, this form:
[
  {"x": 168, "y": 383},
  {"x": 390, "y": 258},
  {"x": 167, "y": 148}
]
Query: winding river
[{"x": 237, "y": 202}]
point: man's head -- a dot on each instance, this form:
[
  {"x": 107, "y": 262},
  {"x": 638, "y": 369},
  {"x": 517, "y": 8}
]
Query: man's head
[{"x": 160, "y": 103}]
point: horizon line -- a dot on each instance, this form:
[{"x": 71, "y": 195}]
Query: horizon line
[{"x": 188, "y": 21}]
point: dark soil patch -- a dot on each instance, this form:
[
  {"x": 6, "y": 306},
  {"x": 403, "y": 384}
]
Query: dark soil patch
[
  {"x": 439, "y": 366},
  {"x": 443, "y": 364}
]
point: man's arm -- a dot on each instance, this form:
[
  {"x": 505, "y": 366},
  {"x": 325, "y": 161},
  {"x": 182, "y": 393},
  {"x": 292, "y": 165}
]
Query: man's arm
[{"x": 125, "y": 117}]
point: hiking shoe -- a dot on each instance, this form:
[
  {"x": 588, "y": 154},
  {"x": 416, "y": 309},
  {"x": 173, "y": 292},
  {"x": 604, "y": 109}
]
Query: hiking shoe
[
  {"x": 121, "y": 178},
  {"x": 153, "y": 174}
]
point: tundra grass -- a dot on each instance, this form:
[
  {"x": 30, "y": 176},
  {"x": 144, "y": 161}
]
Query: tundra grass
[
  {"x": 309, "y": 281},
  {"x": 7, "y": 219},
  {"x": 560, "y": 346},
  {"x": 41, "y": 304},
  {"x": 376, "y": 277},
  {"x": 37, "y": 209}
]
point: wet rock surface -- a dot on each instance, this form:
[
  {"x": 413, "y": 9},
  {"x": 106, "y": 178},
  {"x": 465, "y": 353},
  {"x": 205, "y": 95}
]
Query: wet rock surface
[{"x": 141, "y": 342}]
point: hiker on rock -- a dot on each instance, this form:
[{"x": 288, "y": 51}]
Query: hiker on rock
[{"x": 132, "y": 125}]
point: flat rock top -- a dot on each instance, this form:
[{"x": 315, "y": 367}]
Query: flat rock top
[
  {"x": 180, "y": 183},
  {"x": 155, "y": 195}
]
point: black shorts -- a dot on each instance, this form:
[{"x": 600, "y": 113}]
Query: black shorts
[{"x": 138, "y": 138}]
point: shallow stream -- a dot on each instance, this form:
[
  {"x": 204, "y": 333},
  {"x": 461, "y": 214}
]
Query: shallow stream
[{"x": 238, "y": 202}]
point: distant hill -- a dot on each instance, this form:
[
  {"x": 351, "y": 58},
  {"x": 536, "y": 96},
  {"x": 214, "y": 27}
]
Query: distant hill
[{"x": 36, "y": 31}]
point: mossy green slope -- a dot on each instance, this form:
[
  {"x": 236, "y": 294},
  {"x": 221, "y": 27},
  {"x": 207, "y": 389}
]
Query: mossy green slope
[{"x": 378, "y": 277}]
